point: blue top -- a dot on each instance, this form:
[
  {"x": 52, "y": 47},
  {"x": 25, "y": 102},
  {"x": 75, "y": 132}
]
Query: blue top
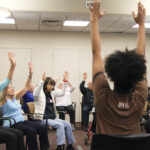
[
  {"x": 4, "y": 84},
  {"x": 28, "y": 97},
  {"x": 11, "y": 109}
]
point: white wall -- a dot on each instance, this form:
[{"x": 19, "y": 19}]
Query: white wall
[{"x": 55, "y": 52}]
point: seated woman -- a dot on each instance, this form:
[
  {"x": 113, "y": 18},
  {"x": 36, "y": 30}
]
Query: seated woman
[
  {"x": 44, "y": 104},
  {"x": 12, "y": 137},
  {"x": 64, "y": 103},
  {"x": 11, "y": 108},
  {"x": 28, "y": 97}
]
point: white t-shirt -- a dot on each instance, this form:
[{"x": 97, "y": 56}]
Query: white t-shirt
[{"x": 66, "y": 99}]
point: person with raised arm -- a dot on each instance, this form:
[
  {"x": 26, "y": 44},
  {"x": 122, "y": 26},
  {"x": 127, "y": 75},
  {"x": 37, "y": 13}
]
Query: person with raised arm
[
  {"x": 12, "y": 137},
  {"x": 119, "y": 111},
  {"x": 44, "y": 95},
  {"x": 5, "y": 83},
  {"x": 64, "y": 103},
  {"x": 87, "y": 101},
  {"x": 11, "y": 108}
]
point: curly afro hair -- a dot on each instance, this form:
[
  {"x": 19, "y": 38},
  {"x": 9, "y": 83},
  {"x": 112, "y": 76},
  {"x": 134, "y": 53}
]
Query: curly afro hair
[{"x": 125, "y": 69}]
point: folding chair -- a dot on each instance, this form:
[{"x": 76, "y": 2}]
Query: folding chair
[
  {"x": 74, "y": 108},
  {"x": 120, "y": 142}
]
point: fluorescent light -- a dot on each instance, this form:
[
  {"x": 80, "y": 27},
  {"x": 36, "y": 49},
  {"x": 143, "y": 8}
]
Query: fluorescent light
[
  {"x": 4, "y": 13},
  {"x": 147, "y": 25},
  {"x": 7, "y": 21},
  {"x": 76, "y": 23}
]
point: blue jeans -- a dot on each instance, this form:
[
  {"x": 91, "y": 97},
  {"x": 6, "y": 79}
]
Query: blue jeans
[{"x": 62, "y": 128}]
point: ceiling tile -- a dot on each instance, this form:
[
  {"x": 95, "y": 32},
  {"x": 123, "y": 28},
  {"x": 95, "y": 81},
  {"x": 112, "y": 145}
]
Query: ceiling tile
[
  {"x": 50, "y": 28},
  {"x": 121, "y": 25},
  {"x": 72, "y": 29},
  {"x": 7, "y": 26},
  {"x": 27, "y": 21}
]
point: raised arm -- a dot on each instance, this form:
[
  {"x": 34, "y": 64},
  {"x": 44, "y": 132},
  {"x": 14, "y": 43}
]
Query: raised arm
[
  {"x": 62, "y": 92},
  {"x": 140, "y": 19},
  {"x": 72, "y": 88},
  {"x": 20, "y": 93},
  {"x": 82, "y": 85},
  {"x": 96, "y": 14},
  {"x": 38, "y": 89},
  {"x": 5, "y": 83}
]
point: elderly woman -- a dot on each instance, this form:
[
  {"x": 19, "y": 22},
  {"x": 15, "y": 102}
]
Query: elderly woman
[
  {"x": 44, "y": 104},
  {"x": 11, "y": 108}
]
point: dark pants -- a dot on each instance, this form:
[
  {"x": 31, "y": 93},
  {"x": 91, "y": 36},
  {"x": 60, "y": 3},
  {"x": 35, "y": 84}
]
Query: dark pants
[
  {"x": 31, "y": 129},
  {"x": 85, "y": 115},
  {"x": 12, "y": 137},
  {"x": 69, "y": 110}
]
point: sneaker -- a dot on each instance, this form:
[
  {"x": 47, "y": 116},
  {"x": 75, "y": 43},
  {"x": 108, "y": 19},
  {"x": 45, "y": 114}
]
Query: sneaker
[
  {"x": 73, "y": 128},
  {"x": 70, "y": 147},
  {"x": 59, "y": 147}
]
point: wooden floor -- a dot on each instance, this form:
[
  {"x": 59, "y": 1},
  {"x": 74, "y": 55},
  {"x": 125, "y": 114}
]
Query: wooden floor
[{"x": 79, "y": 137}]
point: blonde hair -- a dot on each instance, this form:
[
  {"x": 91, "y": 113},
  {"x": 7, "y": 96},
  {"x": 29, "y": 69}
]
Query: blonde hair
[{"x": 3, "y": 96}]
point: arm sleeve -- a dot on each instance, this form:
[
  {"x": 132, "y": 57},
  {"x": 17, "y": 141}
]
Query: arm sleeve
[
  {"x": 82, "y": 88},
  {"x": 100, "y": 85},
  {"x": 72, "y": 89},
  {"x": 60, "y": 93},
  {"x": 4, "y": 84},
  {"x": 37, "y": 90},
  {"x": 141, "y": 92}
]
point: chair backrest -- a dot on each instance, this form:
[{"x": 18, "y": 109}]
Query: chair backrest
[
  {"x": 21, "y": 102},
  {"x": 145, "y": 110},
  {"x": 74, "y": 105},
  {"x": 120, "y": 142},
  {"x": 31, "y": 106}
]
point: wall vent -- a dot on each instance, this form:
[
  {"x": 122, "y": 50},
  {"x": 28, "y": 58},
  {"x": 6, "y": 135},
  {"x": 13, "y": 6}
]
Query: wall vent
[{"x": 53, "y": 23}]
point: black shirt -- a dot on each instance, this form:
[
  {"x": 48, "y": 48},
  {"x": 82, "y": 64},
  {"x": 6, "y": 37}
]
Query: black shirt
[
  {"x": 49, "y": 108},
  {"x": 88, "y": 96}
]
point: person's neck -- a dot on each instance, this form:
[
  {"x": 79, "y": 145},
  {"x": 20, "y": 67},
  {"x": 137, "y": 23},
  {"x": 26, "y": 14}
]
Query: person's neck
[{"x": 10, "y": 97}]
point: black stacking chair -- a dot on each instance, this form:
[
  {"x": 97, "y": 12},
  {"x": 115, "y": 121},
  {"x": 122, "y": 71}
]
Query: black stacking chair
[{"x": 120, "y": 142}]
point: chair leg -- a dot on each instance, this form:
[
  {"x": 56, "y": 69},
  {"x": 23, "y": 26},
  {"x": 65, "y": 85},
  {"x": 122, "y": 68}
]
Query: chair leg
[
  {"x": 26, "y": 144},
  {"x": 63, "y": 147}
]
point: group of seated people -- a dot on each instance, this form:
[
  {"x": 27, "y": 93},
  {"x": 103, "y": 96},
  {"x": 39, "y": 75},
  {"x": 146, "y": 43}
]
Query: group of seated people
[
  {"x": 118, "y": 111},
  {"x": 44, "y": 108},
  {"x": 63, "y": 101}
]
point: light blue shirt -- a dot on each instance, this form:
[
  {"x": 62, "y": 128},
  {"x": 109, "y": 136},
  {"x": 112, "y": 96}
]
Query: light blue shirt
[
  {"x": 4, "y": 84},
  {"x": 11, "y": 109}
]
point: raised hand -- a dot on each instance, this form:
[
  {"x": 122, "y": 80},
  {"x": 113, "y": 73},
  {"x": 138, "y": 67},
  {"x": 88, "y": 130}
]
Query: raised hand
[
  {"x": 66, "y": 75},
  {"x": 95, "y": 10},
  {"x": 57, "y": 78},
  {"x": 11, "y": 57},
  {"x": 140, "y": 17},
  {"x": 44, "y": 76},
  {"x": 84, "y": 76},
  {"x": 30, "y": 68}
]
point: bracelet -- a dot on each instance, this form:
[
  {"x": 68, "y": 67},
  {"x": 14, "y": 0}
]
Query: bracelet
[{"x": 65, "y": 80}]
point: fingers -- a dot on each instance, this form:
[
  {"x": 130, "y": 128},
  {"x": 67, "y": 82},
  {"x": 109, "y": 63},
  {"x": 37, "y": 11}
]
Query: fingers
[
  {"x": 141, "y": 8},
  {"x": 11, "y": 55},
  {"x": 103, "y": 12},
  {"x": 30, "y": 67},
  {"x": 133, "y": 14},
  {"x": 44, "y": 76},
  {"x": 144, "y": 11},
  {"x": 90, "y": 7}
]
